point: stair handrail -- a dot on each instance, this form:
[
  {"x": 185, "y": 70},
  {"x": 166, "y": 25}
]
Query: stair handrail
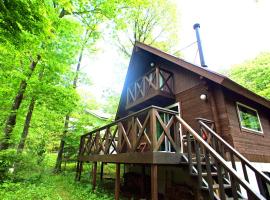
[
  {"x": 222, "y": 161},
  {"x": 236, "y": 153}
]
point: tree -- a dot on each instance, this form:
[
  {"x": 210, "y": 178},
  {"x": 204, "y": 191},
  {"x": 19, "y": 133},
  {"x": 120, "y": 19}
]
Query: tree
[
  {"x": 35, "y": 68},
  {"x": 112, "y": 99},
  {"x": 91, "y": 15},
  {"x": 64, "y": 40},
  {"x": 152, "y": 22},
  {"x": 17, "y": 29},
  {"x": 254, "y": 74}
]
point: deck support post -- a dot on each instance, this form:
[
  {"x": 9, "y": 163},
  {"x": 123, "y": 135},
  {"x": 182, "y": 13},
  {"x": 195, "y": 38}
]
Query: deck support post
[
  {"x": 79, "y": 170},
  {"x": 154, "y": 183},
  {"x": 117, "y": 182},
  {"x": 143, "y": 182},
  {"x": 94, "y": 175},
  {"x": 101, "y": 171}
]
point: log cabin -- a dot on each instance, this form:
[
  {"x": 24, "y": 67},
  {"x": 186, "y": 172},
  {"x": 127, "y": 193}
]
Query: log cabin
[{"x": 183, "y": 132}]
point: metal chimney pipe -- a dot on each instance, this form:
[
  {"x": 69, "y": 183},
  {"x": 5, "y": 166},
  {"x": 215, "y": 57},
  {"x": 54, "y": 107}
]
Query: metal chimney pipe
[{"x": 196, "y": 28}]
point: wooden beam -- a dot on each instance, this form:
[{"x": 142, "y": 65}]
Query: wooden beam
[
  {"x": 136, "y": 158},
  {"x": 117, "y": 182},
  {"x": 153, "y": 129},
  {"x": 143, "y": 182},
  {"x": 101, "y": 171},
  {"x": 80, "y": 168},
  {"x": 94, "y": 175},
  {"x": 154, "y": 183}
]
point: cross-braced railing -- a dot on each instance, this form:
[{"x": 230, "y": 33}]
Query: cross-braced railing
[
  {"x": 143, "y": 131},
  {"x": 232, "y": 156},
  {"x": 157, "y": 79}
]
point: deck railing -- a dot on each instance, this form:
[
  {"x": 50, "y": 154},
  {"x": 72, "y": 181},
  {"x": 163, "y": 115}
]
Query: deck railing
[
  {"x": 143, "y": 131},
  {"x": 157, "y": 79},
  {"x": 231, "y": 155}
]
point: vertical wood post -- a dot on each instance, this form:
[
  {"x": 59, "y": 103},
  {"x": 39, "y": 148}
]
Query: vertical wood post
[
  {"x": 133, "y": 134},
  {"x": 154, "y": 183},
  {"x": 157, "y": 78},
  {"x": 153, "y": 129},
  {"x": 135, "y": 90},
  {"x": 143, "y": 182},
  {"x": 143, "y": 80},
  {"x": 79, "y": 170},
  {"x": 101, "y": 171},
  {"x": 94, "y": 175},
  {"x": 119, "y": 140},
  {"x": 117, "y": 182}
]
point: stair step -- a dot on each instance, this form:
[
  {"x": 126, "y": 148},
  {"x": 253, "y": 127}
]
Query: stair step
[
  {"x": 202, "y": 163},
  {"x": 212, "y": 173},
  {"x": 216, "y": 186},
  {"x": 205, "y": 174},
  {"x": 226, "y": 186}
]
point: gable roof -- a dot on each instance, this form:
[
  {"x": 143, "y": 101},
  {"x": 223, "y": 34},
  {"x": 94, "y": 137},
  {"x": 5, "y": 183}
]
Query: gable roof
[{"x": 204, "y": 72}]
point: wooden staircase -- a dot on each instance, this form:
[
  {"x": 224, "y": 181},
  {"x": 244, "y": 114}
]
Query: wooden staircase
[{"x": 212, "y": 161}]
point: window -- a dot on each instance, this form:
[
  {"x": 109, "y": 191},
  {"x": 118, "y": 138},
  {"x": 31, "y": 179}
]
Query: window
[{"x": 249, "y": 118}]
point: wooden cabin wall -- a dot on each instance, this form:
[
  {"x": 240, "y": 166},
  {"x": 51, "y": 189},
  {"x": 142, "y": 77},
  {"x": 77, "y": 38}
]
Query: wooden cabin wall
[
  {"x": 222, "y": 123},
  {"x": 183, "y": 79},
  {"x": 193, "y": 107},
  {"x": 188, "y": 87},
  {"x": 254, "y": 146}
]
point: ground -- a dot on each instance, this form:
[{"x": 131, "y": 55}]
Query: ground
[{"x": 56, "y": 186}]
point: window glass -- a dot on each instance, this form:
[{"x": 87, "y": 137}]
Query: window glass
[{"x": 249, "y": 118}]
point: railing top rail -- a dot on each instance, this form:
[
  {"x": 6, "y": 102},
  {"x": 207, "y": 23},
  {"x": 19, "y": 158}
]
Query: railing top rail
[
  {"x": 236, "y": 153},
  {"x": 132, "y": 115},
  {"x": 244, "y": 183}
]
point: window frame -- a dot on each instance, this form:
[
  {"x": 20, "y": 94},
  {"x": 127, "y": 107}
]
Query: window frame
[{"x": 239, "y": 118}]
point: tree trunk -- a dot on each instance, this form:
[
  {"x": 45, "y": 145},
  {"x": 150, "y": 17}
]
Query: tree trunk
[
  {"x": 11, "y": 120},
  {"x": 28, "y": 118},
  {"x": 59, "y": 159},
  {"x": 26, "y": 125}
]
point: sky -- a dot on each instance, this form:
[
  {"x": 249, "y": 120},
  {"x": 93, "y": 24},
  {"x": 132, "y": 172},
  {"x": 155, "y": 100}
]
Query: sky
[{"x": 232, "y": 31}]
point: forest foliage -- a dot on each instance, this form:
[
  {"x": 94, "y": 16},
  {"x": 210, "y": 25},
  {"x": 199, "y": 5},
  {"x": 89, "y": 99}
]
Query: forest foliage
[
  {"x": 254, "y": 74},
  {"x": 42, "y": 44}
]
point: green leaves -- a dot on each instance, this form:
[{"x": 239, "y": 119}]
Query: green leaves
[
  {"x": 254, "y": 75},
  {"x": 152, "y": 22}
]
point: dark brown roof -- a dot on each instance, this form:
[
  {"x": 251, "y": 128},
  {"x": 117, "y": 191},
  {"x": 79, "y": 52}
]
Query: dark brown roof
[{"x": 205, "y": 72}]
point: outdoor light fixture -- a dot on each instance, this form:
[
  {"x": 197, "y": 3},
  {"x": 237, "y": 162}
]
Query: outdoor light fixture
[
  {"x": 203, "y": 97},
  {"x": 152, "y": 64}
]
